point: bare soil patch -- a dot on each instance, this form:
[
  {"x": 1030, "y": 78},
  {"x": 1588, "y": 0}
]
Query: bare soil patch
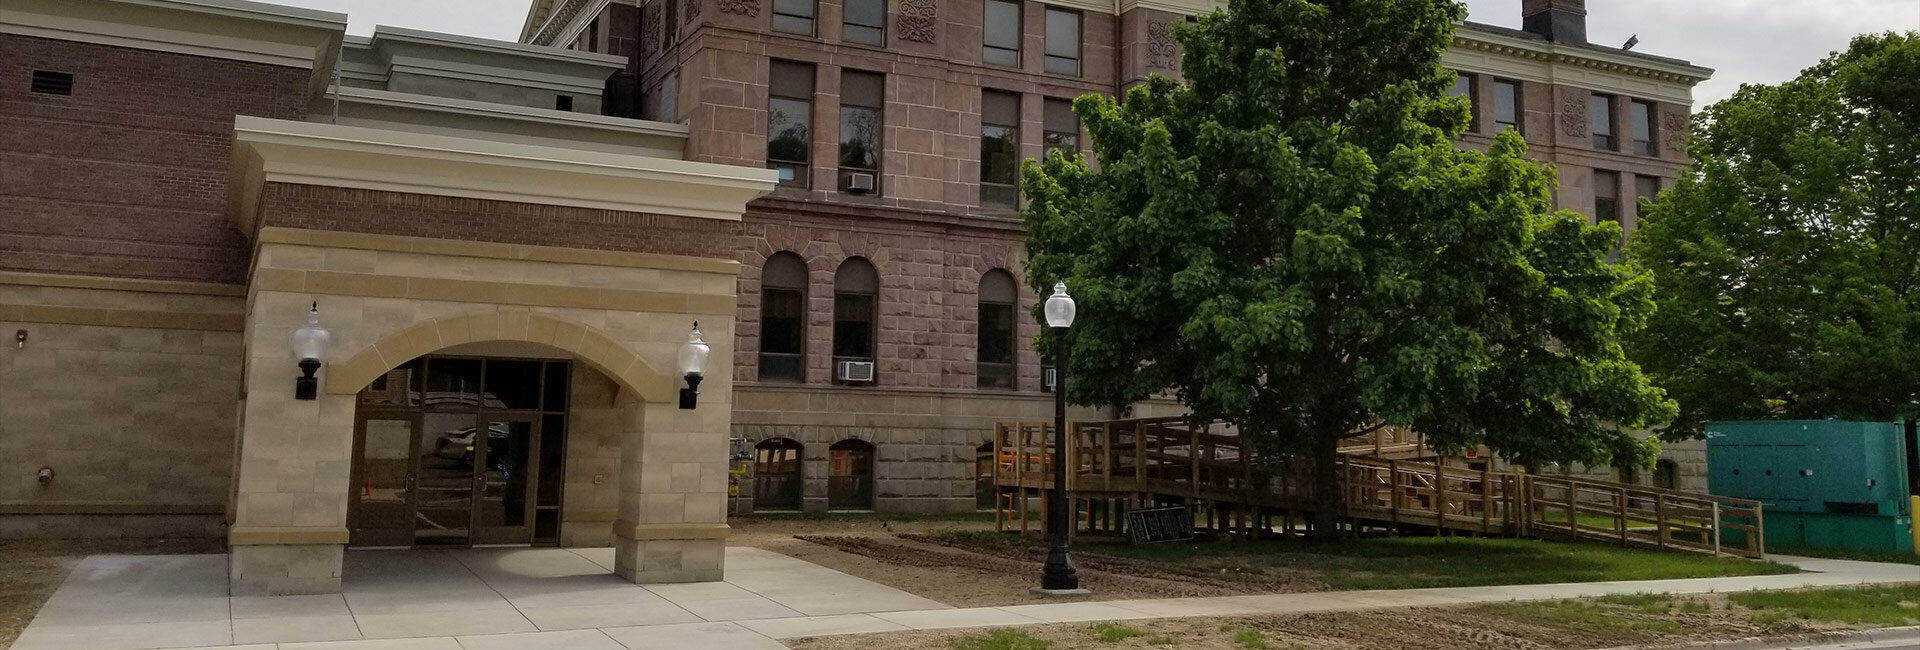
[{"x": 30, "y": 570}]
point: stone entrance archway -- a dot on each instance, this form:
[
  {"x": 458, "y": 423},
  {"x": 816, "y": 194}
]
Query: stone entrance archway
[{"x": 292, "y": 491}]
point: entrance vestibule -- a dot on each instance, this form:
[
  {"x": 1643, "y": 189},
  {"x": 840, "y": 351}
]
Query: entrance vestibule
[{"x": 460, "y": 451}]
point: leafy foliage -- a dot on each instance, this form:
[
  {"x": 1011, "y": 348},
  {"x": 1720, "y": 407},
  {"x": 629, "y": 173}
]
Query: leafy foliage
[
  {"x": 1291, "y": 241},
  {"x": 1788, "y": 257}
]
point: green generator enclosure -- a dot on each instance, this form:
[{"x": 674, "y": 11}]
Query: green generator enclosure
[{"x": 1825, "y": 483}]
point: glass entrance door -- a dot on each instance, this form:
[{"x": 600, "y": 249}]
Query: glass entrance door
[
  {"x": 444, "y": 455},
  {"x": 383, "y": 494},
  {"x": 459, "y": 451},
  {"x": 504, "y": 479}
]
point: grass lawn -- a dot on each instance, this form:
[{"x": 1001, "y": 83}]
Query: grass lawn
[
  {"x": 1864, "y": 555},
  {"x": 1885, "y": 605},
  {"x": 1605, "y": 622},
  {"x": 1411, "y": 562}
]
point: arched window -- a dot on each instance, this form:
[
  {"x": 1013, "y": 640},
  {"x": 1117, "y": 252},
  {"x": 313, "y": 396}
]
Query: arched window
[
  {"x": 783, "y": 318},
  {"x": 856, "y": 292},
  {"x": 850, "y": 475},
  {"x": 1666, "y": 474},
  {"x": 776, "y": 474},
  {"x": 995, "y": 345}
]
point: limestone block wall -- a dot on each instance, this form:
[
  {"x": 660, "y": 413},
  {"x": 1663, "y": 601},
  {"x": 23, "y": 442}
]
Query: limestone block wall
[
  {"x": 126, "y": 390},
  {"x": 591, "y": 494}
]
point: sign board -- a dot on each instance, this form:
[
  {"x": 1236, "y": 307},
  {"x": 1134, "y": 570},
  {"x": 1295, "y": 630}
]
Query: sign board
[{"x": 1159, "y": 525}]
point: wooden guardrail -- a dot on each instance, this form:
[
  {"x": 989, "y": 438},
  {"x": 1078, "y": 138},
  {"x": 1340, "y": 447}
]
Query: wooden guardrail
[{"x": 1126, "y": 464}]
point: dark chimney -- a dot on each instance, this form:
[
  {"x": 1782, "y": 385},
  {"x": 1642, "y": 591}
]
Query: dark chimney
[{"x": 1561, "y": 21}]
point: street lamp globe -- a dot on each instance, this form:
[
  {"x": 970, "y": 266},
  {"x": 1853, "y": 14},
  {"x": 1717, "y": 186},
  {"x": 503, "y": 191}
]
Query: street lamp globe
[
  {"x": 310, "y": 340},
  {"x": 693, "y": 354},
  {"x": 1059, "y": 307}
]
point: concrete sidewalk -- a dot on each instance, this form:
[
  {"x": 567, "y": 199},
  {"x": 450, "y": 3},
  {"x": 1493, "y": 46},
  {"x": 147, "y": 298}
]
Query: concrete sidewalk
[{"x": 535, "y": 599}]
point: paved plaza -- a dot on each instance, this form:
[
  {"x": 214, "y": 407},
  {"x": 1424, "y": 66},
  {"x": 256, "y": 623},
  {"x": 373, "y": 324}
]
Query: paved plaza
[{"x": 536, "y": 599}]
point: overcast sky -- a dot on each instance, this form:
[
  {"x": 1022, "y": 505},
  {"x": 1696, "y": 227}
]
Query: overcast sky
[{"x": 1745, "y": 41}]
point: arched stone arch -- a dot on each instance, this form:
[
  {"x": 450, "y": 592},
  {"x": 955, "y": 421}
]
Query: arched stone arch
[{"x": 582, "y": 341}]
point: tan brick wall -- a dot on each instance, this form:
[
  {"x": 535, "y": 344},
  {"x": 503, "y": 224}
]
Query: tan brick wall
[
  {"x": 128, "y": 175},
  {"x": 131, "y": 419}
]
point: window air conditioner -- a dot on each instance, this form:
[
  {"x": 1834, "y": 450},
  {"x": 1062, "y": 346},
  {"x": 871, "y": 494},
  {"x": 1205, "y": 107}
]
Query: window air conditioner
[
  {"x": 857, "y": 182},
  {"x": 855, "y": 371}
]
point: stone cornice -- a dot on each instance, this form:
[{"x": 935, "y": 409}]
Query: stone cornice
[{"x": 1671, "y": 71}]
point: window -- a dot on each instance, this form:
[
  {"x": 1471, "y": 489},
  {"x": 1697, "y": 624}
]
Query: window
[
  {"x": 793, "y": 16},
  {"x": 563, "y": 102},
  {"x": 1600, "y": 110},
  {"x": 1063, "y": 41},
  {"x": 999, "y": 149},
  {"x": 1506, "y": 106},
  {"x": 861, "y": 97},
  {"x": 670, "y": 98},
  {"x": 850, "y": 475},
  {"x": 1641, "y": 118},
  {"x": 1646, "y": 187},
  {"x": 776, "y": 474},
  {"x": 996, "y": 334},
  {"x": 1001, "y": 42},
  {"x": 865, "y": 21},
  {"x": 789, "y": 121},
  {"x": 783, "y": 318},
  {"x": 1062, "y": 127},
  {"x": 856, "y": 290},
  {"x": 1606, "y": 196},
  {"x": 1666, "y": 474},
  {"x": 1463, "y": 86},
  {"x": 47, "y": 82},
  {"x": 671, "y": 24}
]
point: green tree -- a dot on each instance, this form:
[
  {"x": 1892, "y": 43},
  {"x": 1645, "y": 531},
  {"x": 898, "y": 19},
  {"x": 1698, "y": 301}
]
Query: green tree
[
  {"x": 1290, "y": 241},
  {"x": 1788, "y": 256}
]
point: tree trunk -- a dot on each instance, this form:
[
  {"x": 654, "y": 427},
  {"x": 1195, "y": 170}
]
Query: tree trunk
[{"x": 1327, "y": 499}]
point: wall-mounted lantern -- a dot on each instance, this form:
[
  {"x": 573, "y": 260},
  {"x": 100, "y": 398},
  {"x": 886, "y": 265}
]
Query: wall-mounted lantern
[
  {"x": 310, "y": 347},
  {"x": 693, "y": 363}
]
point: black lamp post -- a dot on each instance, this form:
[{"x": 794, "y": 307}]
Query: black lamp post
[{"x": 1059, "y": 574}]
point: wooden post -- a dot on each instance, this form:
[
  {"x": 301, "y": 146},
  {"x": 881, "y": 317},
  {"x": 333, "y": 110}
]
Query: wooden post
[
  {"x": 1716, "y": 528},
  {"x": 1758, "y": 541},
  {"x": 1620, "y": 511},
  {"x": 1393, "y": 497},
  {"x": 1660, "y": 532},
  {"x": 1440, "y": 495},
  {"x": 1486, "y": 498}
]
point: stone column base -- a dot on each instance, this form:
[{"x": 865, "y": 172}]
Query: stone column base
[
  {"x": 285, "y": 562},
  {"x": 669, "y": 553}
]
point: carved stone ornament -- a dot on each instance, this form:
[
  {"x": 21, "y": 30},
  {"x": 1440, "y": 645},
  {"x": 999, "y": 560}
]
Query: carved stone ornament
[
  {"x": 1573, "y": 117},
  {"x": 919, "y": 21},
  {"x": 650, "y": 37},
  {"x": 1161, "y": 50},
  {"x": 690, "y": 11},
  {"x": 747, "y": 8},
  {"x": 1673, "y": 130}
]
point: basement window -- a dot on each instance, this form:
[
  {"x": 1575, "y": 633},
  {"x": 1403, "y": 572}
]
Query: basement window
[
  {"x": 52, "y": 83},
  {"x": 563, "y": 103}
]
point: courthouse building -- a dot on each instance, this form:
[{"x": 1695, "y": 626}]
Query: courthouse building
[{"x": 507, "y": 247}]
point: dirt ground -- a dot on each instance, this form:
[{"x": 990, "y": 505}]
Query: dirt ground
[
  {"x": 896, "y": 557},
  {"x": 30, "y": 570},
  {"x": 1589, "y": 625}
]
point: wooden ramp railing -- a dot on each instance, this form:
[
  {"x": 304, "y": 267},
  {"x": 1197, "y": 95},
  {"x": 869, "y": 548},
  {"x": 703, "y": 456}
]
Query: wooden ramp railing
[{"x": 1121, "y": 465}]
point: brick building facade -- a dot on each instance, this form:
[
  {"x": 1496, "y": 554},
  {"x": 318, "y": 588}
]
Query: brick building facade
[
  {"x": 511, "y": 244},
  {"x": 955, "y": 79}
]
